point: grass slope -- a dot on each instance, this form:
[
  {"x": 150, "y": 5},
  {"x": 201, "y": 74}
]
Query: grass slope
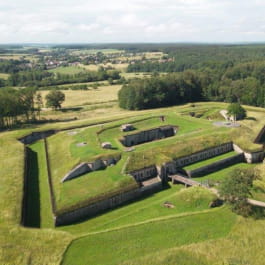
[
  {"x": 184, "y": 200},
  {"x": 135, "y": 241}
]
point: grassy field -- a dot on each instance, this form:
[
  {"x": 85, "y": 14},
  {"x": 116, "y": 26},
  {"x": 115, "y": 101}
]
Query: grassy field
[
  {"x": 142, "y": 233},
  {"x": 75, "y": 98},
  {"x": 4, "y": 76},
  {"x": 148, "y": 238}
]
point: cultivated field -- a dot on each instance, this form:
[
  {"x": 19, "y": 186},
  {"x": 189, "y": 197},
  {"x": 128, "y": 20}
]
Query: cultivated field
[
  {"x": 4, "y": 76},
  {"x": 75, "y": 98},
  {"x": 69, "y": 70}
]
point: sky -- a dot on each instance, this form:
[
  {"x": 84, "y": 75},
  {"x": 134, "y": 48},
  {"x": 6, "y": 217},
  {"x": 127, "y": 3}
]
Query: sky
[{"x": 108, "y": 21}]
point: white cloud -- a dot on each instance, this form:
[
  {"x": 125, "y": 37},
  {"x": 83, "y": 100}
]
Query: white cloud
[{"x": 131, "y": 20}]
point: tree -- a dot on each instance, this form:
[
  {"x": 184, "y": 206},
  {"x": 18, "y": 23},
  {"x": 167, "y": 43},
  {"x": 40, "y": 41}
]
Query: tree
[
  {"x": 237, "y": 111},
  {"x": 39, "y": 103},
  {"x": 236, "y": 188},
  {"x": 54, "y": 99}
]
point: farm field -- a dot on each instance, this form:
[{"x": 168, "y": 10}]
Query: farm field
[
  {"x": 75, "y": 98},
  {"x": 4, "y": 76},
  {"x": 69, "y": 70},
  {"x": 154, "y": 231}
]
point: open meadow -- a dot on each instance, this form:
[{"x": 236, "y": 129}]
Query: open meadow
[
  {"x": 4, "y": 76},
  {"x": 75, "y": 98}
]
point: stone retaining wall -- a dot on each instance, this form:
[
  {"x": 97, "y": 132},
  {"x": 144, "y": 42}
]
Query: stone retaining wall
[
  {"x": 218, "y": 165},
  {"x": 173, "y": 166},
  {"x": 101, "y": 206},
  {"x": 144, "y": 173},
  {"x": 25, "y": 188}
]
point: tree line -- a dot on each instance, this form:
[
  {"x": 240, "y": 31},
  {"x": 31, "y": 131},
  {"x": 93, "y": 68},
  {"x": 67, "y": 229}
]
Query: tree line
[
  {"x": 19, "y": 105},
  {"x": 40, "y": 78},
  {"x": 194, "y": 85}
]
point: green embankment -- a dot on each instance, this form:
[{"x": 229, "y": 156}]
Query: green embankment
[
  {"x": 124, "y": 244},
  {"x": 183, "y": 200}
]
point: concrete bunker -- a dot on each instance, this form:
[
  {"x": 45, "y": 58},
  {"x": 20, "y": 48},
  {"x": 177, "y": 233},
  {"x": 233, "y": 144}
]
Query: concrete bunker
[
  {"x": 87, "y": 167},
  {"x": 149, "y": 135}
]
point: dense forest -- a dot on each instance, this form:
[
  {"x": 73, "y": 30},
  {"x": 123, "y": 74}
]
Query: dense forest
[
  {"x": 244, "y": 85},
  {"x": 216, "y": 73}
]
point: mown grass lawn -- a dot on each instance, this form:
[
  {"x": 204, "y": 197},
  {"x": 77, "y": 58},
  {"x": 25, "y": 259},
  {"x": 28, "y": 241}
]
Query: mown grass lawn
[{"x": 124, "y": 244}]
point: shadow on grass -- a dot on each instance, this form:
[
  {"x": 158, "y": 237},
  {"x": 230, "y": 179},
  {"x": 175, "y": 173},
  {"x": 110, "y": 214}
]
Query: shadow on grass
[
  {"x": 250, "y": 118},
  {"x": 32, "y": 216}
]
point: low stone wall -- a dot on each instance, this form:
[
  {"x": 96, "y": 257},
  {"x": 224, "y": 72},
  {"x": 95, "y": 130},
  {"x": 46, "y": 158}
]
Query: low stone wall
[
  {"x": 198, "y": 172},
  {"x": 35, "y": 136},
  {"x": 101, "y": 206}
]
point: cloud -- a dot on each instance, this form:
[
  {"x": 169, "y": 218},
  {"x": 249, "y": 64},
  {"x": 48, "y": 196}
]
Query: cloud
[{"x": 132, "y": 20}]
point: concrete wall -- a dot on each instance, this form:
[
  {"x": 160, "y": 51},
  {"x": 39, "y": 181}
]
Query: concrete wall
[
  {"x": 84, "y": 167},
  {"x": 101, "y": 206},
  {"x": 77, "y": 171},
  {"x": 35, "y": 136},
  {"x": 254, "y": 157},
  {"x": 148, "y": 135},
  {"x": 218, "y": 165}
]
